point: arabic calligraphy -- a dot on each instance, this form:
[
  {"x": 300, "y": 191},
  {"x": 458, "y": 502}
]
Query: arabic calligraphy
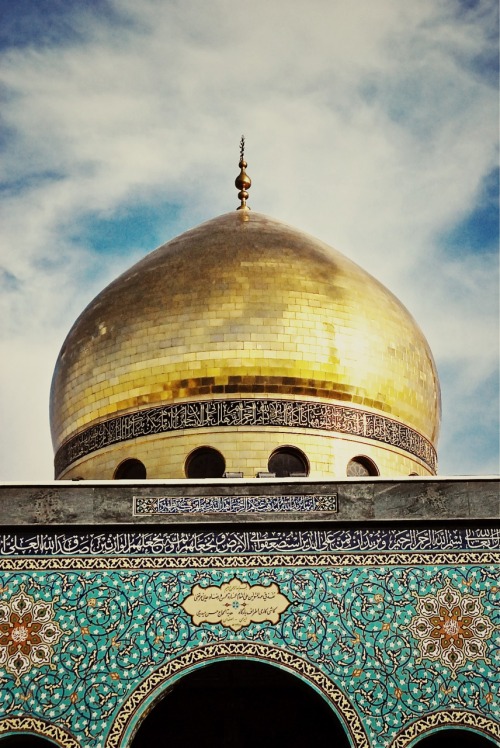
[
  {"x": 235, "y": 604},
  {"x": 293, "y": 414},
  {"x": 235, "y": 541},
  {"x": 234, "y": 504}
]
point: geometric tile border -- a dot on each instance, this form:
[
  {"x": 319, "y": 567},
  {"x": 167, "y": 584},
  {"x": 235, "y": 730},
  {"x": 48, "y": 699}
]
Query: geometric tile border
[
  {"x": 39, "y": 728},
  {"x": 305, "y": 560},
  {"x": 447, "y": 718}
]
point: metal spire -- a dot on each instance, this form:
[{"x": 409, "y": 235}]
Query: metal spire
[{"x": 243, "y": 181}]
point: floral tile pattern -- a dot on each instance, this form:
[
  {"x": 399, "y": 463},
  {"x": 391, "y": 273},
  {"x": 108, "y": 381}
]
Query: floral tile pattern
[
  {"x": 400, "y": 637},
  {"x": 28, "y": 634},
  {"x": 451, "y": 628}
]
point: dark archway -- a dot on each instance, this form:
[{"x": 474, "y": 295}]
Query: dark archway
[
  {"x": 25, "y": 740},
  {"x": 205, "y": 462},
  {"x": 286, "y": 461},
  {"x": 454, "y": 736},
  {"x": 360, "y": 467},
  {"x": 240, "y": 703},
  {"x": 130, "y": 469}
]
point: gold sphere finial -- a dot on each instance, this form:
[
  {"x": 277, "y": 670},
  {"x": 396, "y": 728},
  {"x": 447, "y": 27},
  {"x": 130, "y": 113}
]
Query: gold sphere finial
[{"x": 243, "y": 181}]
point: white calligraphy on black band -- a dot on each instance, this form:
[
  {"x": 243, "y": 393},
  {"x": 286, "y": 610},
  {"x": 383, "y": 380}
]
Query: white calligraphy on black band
[
  {"x": 291, "y": 540},
  {"x": 234, "y": 504},
  {"x": 246, "y": 412}
]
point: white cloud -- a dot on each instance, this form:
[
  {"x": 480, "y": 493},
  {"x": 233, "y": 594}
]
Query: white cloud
[{"x": 368, "y": 124}]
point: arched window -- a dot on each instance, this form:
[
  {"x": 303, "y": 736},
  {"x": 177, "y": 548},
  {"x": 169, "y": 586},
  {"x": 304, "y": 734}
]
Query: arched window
[
  {"x": 361, "y": 466},
  {"x": 286, "y": 461},
  {"x": 131, "y": 469},
  {"x": 205, "y": 462}
]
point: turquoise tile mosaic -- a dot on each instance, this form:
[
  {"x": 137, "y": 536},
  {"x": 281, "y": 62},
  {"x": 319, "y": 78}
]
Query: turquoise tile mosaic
[{"x": 396, "y": 640}]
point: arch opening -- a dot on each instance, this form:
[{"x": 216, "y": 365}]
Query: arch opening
[
  {"x": 244, "y": 703},
  {"x": 288, "y": 461},
  {"x": 461, "y": 737},
  {"x": 205, "y": 462},
  {"x": 360, "y": 467},
  {"x": 25, "y": 740},
  {"x": 130, "y": 469}
]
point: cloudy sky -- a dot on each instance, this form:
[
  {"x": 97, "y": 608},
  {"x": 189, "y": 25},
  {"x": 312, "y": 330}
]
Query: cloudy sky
[{"x": 371, "y": 124}]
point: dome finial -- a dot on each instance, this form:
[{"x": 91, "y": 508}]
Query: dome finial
[{"x": 243, "y": 181}]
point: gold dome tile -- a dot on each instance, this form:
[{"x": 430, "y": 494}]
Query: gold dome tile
[{"x": 244, "y": 304}]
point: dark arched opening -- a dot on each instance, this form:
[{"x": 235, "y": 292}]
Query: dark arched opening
[
  {"x": 205, "y": 462},
  {"x": 131, "y": 469},
  {"x": 25, "y": 740},
  {"x": 241, "y": 703},
  {"x": 286, "y": 461},
  {"x": 361, "y": 466},
  {"x": 457, "y": 737}
]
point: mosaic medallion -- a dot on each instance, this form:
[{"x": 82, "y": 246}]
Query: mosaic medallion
[
  {"x": 27, "y": 634},
  {"x": 451, "y": 628}
]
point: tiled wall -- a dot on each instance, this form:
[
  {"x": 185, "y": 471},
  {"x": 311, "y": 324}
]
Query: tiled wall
[{"x": 399, "y": 639}]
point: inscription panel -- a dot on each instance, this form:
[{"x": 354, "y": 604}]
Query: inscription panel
[
  {"x": 234, "y": 504},
  {"x": 262, "y": 541},
  {"x": 246, "y": 412},
  {"x": 235, "y": 604}
]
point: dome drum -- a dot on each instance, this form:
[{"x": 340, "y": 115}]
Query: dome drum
[{"x": 245, "y": 449}]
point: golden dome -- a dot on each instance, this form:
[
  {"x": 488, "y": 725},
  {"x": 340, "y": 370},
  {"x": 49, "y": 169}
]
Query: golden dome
[{"x": 243, "y": 315}]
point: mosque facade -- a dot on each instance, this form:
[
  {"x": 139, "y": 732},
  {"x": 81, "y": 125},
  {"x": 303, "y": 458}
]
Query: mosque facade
[{"x": 247, "y": 540}]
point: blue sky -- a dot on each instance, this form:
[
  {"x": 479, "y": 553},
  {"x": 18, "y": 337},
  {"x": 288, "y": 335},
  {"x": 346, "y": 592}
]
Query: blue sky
[{"x": 370, "y": 124}]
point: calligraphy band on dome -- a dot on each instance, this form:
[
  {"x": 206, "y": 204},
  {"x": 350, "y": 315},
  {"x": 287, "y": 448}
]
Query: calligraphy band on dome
[{"x": 280, "y": 413}]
